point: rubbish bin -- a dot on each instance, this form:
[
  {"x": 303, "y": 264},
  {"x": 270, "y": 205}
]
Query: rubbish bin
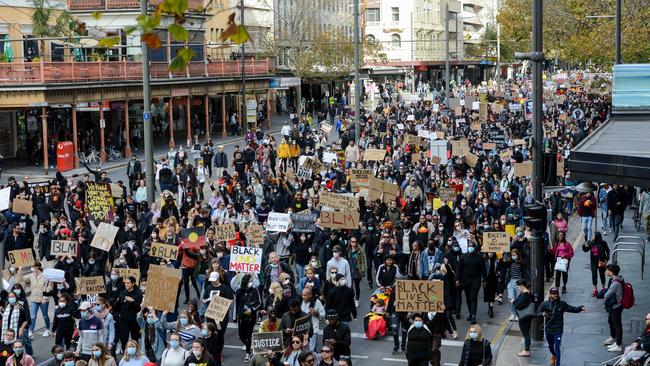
[{"x": 64, "y": 156}]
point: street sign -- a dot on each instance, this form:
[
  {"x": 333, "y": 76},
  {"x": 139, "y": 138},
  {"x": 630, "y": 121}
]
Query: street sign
[
  {"x": 146, "y": 115},
  {"x": 102, "y": 123}
]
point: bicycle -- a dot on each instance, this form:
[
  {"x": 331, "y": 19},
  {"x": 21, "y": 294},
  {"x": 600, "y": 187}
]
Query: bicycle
[
  {"x": 113, "y": 154},
  {"x": 91, "y": 158}
]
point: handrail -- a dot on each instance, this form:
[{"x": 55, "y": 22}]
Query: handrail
[
  {"x": 631, "y": 237},
  {"x": 635, "y": 245},
  {"x": 615, "y": 259}
]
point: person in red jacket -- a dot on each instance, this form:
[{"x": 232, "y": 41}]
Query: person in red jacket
[{"x": 189, "y": 260}]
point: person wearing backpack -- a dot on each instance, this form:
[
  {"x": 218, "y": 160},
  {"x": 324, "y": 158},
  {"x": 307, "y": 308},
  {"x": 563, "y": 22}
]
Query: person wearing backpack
[{"x": 614, "y": 308}]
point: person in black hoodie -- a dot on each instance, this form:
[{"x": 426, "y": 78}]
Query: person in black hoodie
[
  {"x": 128, "y": 306},
  {"x": 418, "y": 343},
  {"x": 476, "y": 349},
  {"x": 438, "y": 324},
  {"x": 341, "y": 299},
  {"x": 471, "y": 272},
  {"x": 216, "y": 284},
  {"x": 248, "y": 302},
  {"x": 64, "y": 320},
  {"x": 452, "y": 257},
  {"x": 337, "y": 335},
  {"x": 45, "y": 238},
  {"x": 598, "y": 258}
]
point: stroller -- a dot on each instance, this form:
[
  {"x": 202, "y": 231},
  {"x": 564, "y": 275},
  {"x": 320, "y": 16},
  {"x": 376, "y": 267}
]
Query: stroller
[{"x": 375, "y": 324}]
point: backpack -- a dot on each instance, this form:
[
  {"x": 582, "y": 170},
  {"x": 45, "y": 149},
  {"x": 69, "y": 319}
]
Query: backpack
[{"x": 627, "y": 300}]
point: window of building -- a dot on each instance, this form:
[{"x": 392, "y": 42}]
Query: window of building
[
  {"x": 396, "y": 41},
  {"x": 372, "y": 15},
  {"x": 395, "y": 13},
  {"x": 370, "y": 38}
]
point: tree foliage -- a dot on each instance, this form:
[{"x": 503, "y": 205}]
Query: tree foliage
[{"x": 571, "y": 36}]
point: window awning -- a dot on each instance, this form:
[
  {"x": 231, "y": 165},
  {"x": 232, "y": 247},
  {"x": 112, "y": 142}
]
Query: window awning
[{"x": 617, "y": 152}]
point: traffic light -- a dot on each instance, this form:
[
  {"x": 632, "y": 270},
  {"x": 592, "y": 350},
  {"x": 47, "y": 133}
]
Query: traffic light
[{"x": 535, "y": 217}]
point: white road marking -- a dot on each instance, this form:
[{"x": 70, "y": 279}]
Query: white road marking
[{"x": 394, "y": 359}]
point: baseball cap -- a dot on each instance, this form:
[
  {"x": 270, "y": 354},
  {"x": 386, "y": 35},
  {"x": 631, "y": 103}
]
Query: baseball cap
[
  {"x": 84, "y": 305},
  {"x": 332, "y": 315},
  {"x": 213, "y": 276},
  {"x": 554, "y": 291}
]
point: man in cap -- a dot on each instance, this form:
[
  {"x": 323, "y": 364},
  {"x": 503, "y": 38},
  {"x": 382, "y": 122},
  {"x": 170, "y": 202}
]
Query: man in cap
[
  {"x": 341, "y": 299},
  {"x": 90, "y": 331},
  {"x": 337, "y": 335}
]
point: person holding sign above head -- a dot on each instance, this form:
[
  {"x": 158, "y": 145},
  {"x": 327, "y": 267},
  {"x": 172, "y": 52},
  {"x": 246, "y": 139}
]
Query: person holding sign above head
[{"x": 152, "y": 342}]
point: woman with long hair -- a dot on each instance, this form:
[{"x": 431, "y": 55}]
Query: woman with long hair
[
  {"x": 476, "y": 349},
  {"x": 357, "y": 259},
  {"x": 598, "y": 258},
  {"x": 516, "y": 270},
  {"x": 99, "y": 356},
  {"x": 248, "y": 302},
  {"x": 186, "y": 329},
  {"x": 562, "y": 250},
  {"x": 293, "y": 350},
  {"x": 174, "y": 354},
  {"x": 522, "y": 301},
  {"x": 132, "y": 355},
  {"x": 200, "y": 355}
]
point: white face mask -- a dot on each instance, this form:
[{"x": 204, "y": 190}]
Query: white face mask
[
  {"x": 271, "y": 291},
  {"x": 336, "y": 254},
  {"x": 342, "y": 282}
]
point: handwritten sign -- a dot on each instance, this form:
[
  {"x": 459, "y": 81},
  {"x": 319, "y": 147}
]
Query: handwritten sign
[
  {"x": 419, "y": 296},
  {"x": 380, "y": 188},
  {"x": 21, "y": 258},
  {"x": 411, "y": 139},
  {"x": 99, "y": 201},
  {"x": 255, "y": 234},
  {"x": 471, "y": 159},
  {"x": 22, "y": 206},
  {"x": 245, "y": 259},
  {"x": 278, "y": 222},
  {"x": 91, "y": 285},
  {"x": 422, "y": 133},
  {"x": 162, "y": 286},
  {"x": 447, "y": 194},
  {"x": 263, "y": 343},
  {"x": 330, "y": 158},
  {"x": 218, "y": 308},
  {"x": 165, "y": 251},
  {"x": 524, "y": 169},
  {"x": 104, "y": 237},
  {"x": 374, "y": 155},
  {"x": 303, "y": 223},
  {"x": 5, "y": 198},
  {"x": 559, "y": 171},
  {"x": 460, "y": 147},
  {"x": 125, "y": 273},
  {"x": 495, "y": 242},
  {"x": 224, "y": 232},
  {"x": 339, "y": 220},
  {"x": 359, "y": 179},
  {"x": 63, "y": 248},
  {"x": 313, "y": 164},
  {"x": 304, "y": 173},
  {"x": 489, "y": 146},
  {"x": 339, "y": 201},
  {"x": 326, "y": 127},
  {"x": 302, "y": 325}
]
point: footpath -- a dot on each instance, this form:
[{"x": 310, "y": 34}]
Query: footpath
[
  {"x": 20, "y": 172},
  {"x": 584, "y": 333}
]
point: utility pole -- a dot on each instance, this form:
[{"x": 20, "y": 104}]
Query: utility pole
[
  {"x": 243, "y": 71},
  {"x": 146, "y": 114},
  {"x": 447, "y": 50},
  {"x": 357, "y": 81},
  {"x": 497, "y": 75},
  {"x": 618, "y": 31}
]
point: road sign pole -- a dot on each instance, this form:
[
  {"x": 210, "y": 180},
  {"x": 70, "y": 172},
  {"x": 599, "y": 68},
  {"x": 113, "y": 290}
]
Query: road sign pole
[{"x": 146, "y": 101}]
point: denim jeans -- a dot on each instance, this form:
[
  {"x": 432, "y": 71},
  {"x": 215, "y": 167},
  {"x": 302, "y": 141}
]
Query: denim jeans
[
  {"x": 604, "y": 215},
  {"x": 34, "y": 310},
  {"x": 513, "y": 292},
  {"x": 587, "y": 229}
]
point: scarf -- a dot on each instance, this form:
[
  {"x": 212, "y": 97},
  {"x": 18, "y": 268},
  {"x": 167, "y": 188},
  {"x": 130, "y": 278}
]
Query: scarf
[
  {"x": 414, "y": 264},
  {"x": 13, "y": 314}
]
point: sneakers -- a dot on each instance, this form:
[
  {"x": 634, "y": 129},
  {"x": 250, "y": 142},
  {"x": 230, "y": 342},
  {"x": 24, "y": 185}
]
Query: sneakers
[
  {"x": 356, "y": 303},
  {"x": 564, "y": 289},
  {"x": 593, "y": 294},
  {"x": 31, "y": 335},
  {"x": 46, "y": 333},
  {"x": 454, "y": 335},
  {"x": 396, "y": 351},
  {"x": 552, "y": 363},
  {"x": 247, "y": 358},
  {"x": 604, "y": 232},
  {"x": 609, "y": 341},
  {"x": 614, "y": 348},
  {"x": 512, "y": 317}
]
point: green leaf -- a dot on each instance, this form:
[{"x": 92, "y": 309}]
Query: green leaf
[
  {"x": 178, "y": 63},
  {"x": 178, "y": 7},
  {"x": 96, "y": 15},
  {"x": 108, "y": 42},
  {"x": 130, "y": 29},
  {"x": 179, "y": 32},
  {"x": 148, "y": 22},
  {"x": 187, "y": 54}
]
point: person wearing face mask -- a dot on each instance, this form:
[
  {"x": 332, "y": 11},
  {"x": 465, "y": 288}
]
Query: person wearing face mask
[
  {"x": 248, "y": 301},
  {"x": 452, "y": 258},
  {"x": 200, "y": 355},
  {"x": 7, "y": 346},
  {"x": 152, "y": 341},
  {"x": 14, "y": 317},
  {"x": 477, "y": 350},
  {"x": 20, "y": 356},
  {"x": 186, "y": 329},
  {"x": 37, "y": 298},
  {"x": 342, "y": 265},
  {"x": 57, "y": 354},
  {"x": 491, "y": 281},
  {"x": 418, "y": 343},
  {"x": 128, "y": 306},
  {"x": 90, "y": 329},
  {"x": 471, "y": 271},
  {"x": 114, "y": 286},
  {"x": 174, "y": 354},
  {"x": 100, "y": 357},
  {"x": 64, "y": 323},
  {"x": 133, "y": 356},
  {"x": 45, "y": 237},
  {"x": 341, "y": 299},
  {"x": 516, "y": 270},
  {"x": 102, "y": 311}
]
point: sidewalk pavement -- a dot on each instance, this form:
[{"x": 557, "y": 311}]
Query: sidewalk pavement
[
  {"x": 584, "y": 333},
  {"x": 160, "y": 150}
]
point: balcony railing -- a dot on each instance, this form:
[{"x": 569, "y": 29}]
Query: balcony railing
[
  {"x": 13, "y": 73},
  {"x": 119, "y": 4}
]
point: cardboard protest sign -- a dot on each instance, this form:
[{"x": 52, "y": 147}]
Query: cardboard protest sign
[
  {"x": 22, "y": 206},
  {"x": 313, "y": 164},
  {"x": 339, "y": 220},
  {"x": 104, "y": 237},
  {"x": 447, "y": 194},
  {"x": 165, "y": 251},
  {"x": 435, "y": 160},
  {"x": 339, "y": 201},
  {"x": 458, "y": 110},
  {"x": 116, "y": 190},
  {"x": 489, "y": 146},
  {"x": 360, "y": 179},
  {"x": 193, "y": 238},
  {"x": 440, "y": 135},
  {"x": 224, "y": 232},
  {"x": 304, "y": 173},
  {"x": 255, "y": 233},
  {"x": 380, "y": 187},
  {"x": 125, "y": 273},
  {"x": 302, "y": 325},
  {"x": 374, "y": 154},
  {"x": 495, "y": 241},
  {"x": 90, "y": 285},
  {"x": 411, "y": 139},
  {"x": 506, "y": 154},
  {"x": 303, "y": 223},
  {"x": 460, "y": 147},
  {"x": 5, "y": 196},
  {"x": 559, "y": 170},
  {"x": 524, "y": 169},
  {"x": 263, "y": 343},
  {"x": 475, "y": 126},
  {"x": 21, "y": 258},
  {"x": 330, "y": 157},
  {"x": 326, "y": 127},
  {"x": 422, "y": 133},
  {"x": 278, "y": 222},
  {"x": 245, "y": 259},
  {"x": 218, "y": 308},
  {"x": 63, "y": 248},
  {"x": 99, "y": 201},
  {"x": 419, "y": 296},
  {"x": 471, "y": 159},
  {"x": 162, "y": 286},
  {"x": 483, "y": 112}
]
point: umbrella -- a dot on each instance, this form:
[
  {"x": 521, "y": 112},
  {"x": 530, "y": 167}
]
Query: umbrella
[{"x": 8, "y": 51}]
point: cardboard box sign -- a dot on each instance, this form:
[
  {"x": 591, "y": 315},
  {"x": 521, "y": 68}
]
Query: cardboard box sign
[
  {"x": 125, "y": 273},
  {"x": 524, "y": 169},
  {"x": 63, "y": 248},
  {"x": 255, "y": 234},
  {"x": 224, "y": 232},
  {"x": 22, "y": 206},
  {"x": 360, "y": 179},
  {"x": 162, "y": 287},
  {"x": 91, "y": 285},
  {"x": 495, "y": 242},
  {"x": 339, "y": 220},
  {"x": 104, "y": 236},
  {"x": 164, "y": 251},
  {"x": 21, "y": 258},
  {"x": 339, "y": 201},
  {"x": 218, "y": 308},
  {"x": 419, "y": 296},
  {"x": 262, "y": 343}
]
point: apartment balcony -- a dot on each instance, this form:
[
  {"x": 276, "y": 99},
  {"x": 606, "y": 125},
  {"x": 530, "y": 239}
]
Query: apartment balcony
[
  {"x": 119, "y": 4},
  {"x": 14, "y": 73}
]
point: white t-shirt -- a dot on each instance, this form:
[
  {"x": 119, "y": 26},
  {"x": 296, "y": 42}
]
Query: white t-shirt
[{"x": 174, "y": 357}]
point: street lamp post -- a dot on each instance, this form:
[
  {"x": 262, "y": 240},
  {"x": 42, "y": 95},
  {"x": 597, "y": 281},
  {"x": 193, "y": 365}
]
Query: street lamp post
[
  {"x": 357, "y": 81},
  {"x": 244, "y": 117},
  {"x": 146, "y": 114},
  {"x": 447, "y": 49},
  {"x": 618, "y": 31}
]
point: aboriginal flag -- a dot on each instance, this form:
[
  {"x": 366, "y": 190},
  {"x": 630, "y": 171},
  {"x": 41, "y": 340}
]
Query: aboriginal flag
[{"x": 193, "y": 238}]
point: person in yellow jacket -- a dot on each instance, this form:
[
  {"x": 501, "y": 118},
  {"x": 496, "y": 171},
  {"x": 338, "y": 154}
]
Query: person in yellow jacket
[
  {"x": 284, "y": 153},
  {"x": 294, "y": 149}
]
